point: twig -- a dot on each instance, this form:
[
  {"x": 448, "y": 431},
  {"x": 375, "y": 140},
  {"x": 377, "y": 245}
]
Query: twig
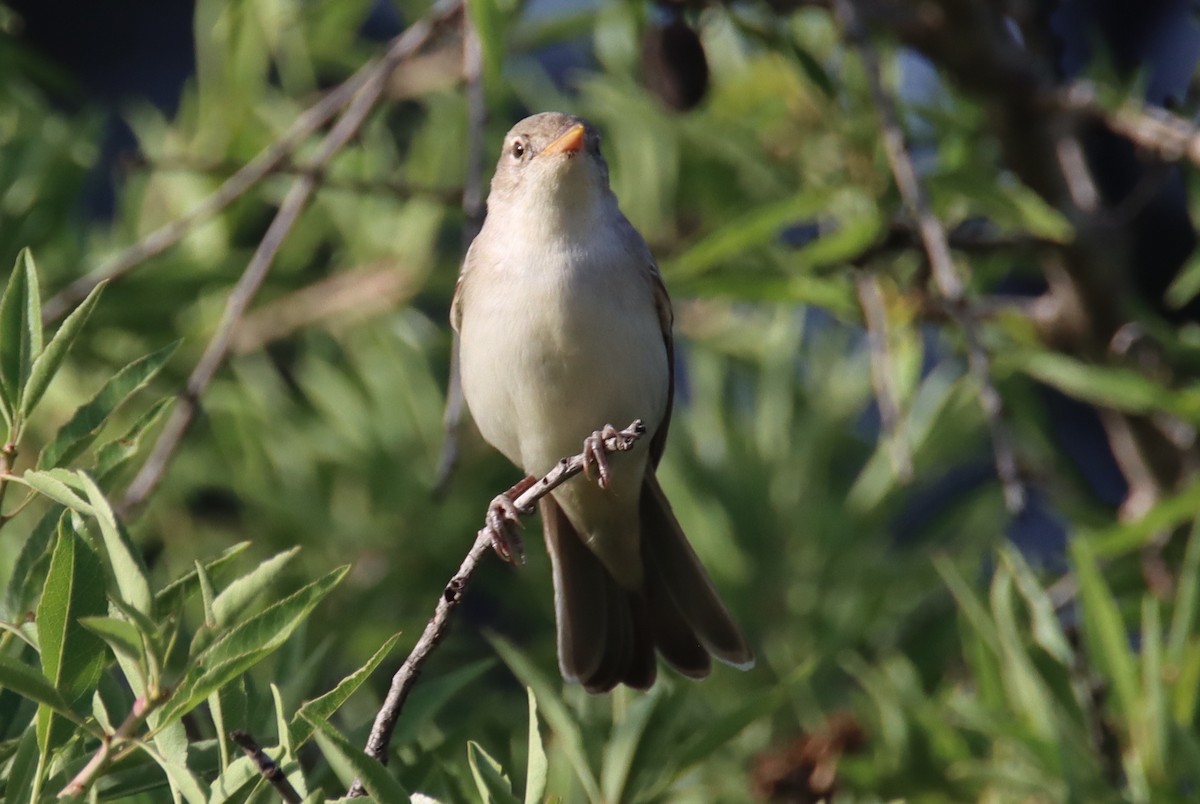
[
  {"x": 1169, "y": 137},
  {"x": 251, "y": 174},
  {"x": 870, "y": 299},
  {"x": 937, "y": 248},
  {"x": 268, "y": 768},
  {"x": 252, "y": 278},
  {"x": 380, "y": 185},
  {"x": 8, "y": 457},
  {"x": 133, "y": 721},
  {"x": 452, "y": 595},
  {"x": 473, "y": 211}
]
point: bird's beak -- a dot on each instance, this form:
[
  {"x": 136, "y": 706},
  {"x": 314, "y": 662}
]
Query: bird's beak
[{"x": 569, "y": 142}]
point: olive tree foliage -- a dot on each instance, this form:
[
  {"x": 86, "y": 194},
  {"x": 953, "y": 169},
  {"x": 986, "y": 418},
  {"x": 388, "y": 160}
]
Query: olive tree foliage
[{"x": 865, "y": 413}]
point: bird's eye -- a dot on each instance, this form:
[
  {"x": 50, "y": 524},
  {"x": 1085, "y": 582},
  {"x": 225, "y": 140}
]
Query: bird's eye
[{"x": 518, "y": 149}]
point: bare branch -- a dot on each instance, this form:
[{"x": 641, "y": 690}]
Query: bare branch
[
  {"x": 268, "y": 768},
  {"x": 142, "y": 708},
  {"x": 408, "y": 43},
  {"x": 1169, "y": 137},
  {"x": 946, "y": 278},
  {"x": 452, "y": 595}
]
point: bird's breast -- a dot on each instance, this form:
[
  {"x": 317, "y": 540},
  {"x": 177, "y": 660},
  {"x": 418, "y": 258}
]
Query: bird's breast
[{"x": 557, "y": 341}]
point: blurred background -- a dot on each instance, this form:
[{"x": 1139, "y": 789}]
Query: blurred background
[{"x": 925, "y": 631}]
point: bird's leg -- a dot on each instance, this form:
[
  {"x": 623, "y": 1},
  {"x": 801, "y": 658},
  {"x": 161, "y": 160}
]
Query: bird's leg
[
  {"x": 504, "y": 523},
  {"x": 595, "y": 454}
]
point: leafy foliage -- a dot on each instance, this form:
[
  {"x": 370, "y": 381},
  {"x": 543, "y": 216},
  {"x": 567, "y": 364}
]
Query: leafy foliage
[{"x": 297, "y": 531}]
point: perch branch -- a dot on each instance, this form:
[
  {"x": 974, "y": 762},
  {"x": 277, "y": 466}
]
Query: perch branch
[
  {"x": 268, "y": 768},
  {"x": 452, "y": 595},
  {"x": 408, "y": 43},
  {"x": 937, "y": 248}
]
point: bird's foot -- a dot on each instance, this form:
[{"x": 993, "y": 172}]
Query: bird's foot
[
  {"x": 594, "y": 454},
  {"x": 504, "y": 523}
]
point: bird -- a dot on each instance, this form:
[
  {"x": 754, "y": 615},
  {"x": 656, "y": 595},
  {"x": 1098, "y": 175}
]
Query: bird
[{"x": 564, "y": 327}]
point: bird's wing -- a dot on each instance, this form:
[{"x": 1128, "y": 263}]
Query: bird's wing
[{"x": 662, "y": 303}]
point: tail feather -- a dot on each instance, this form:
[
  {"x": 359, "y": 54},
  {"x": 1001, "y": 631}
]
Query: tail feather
[
  {"x": 671, "y": 561},
  {"x": 607, "y": 634}
]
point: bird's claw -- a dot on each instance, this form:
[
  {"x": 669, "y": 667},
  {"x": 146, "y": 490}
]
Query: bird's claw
[
  {"x": 504, "y": 528},
  {"x": 595, "y": 455}
]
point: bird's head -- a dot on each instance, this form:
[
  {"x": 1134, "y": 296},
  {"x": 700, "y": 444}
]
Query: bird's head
[{"x": 550, "y": 164}]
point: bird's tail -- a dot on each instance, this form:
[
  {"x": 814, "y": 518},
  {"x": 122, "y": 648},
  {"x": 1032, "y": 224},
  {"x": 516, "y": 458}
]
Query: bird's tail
[{"x": 607, "y": 634}]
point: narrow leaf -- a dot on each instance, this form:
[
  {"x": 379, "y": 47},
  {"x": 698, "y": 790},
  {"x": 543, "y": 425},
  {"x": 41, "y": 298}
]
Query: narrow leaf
[
  {"x": 555, "y": 712},
  {"x": 72, "y": 657},
  {"x": 125, "y": 561},
  {"x": 234, "y": 599},
  {"x": 20, "y": 329},
  {"x": 491, "y": 782},
  {"x": 248, "y": 643},
  {"x": 1105, "y": 632},
  {"x": 537, "y": 767},
  {"x": 174, "y": 594},
  {"x": 112, "y": 456},
  {"x": 46, "y": 365},
  {"x": 25, "y": 584},
  {"x": 120, "y": 635},
  {"x": 79, "y": 432},
  {"x": 379, "y": 783},
  {"x": 322, "y": 708},
  {"x": 50, "y": 486},
  {"x": 29, "y": 683}
]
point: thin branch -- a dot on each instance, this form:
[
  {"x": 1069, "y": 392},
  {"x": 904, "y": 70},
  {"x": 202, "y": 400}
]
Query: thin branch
[
  {"x": 87, "y": 775},
  {"x": 253, "y": 172},
  {"x": 411, "y": 41},
  {"x": 946, "y": 278},
  {"x": 870, "y": 299},
  {"x": 268, "y": 768},
  {"x": 1169, "y": 137},
  {"x": 379, "y": 185},
  {"x": 452, "y": 595}
]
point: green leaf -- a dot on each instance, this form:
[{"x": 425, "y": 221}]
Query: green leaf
[
  {"x": 1151, "y": 728},
  {"x": 234, "y": 598},
  {"x": 29, "y": 683},
  {"x": 337, "y": 749},
  {"x": 1028, "y": 696},
  {"x": 20, "y": 330},
  {"x": 491, "y": 25},
  {"x": 81, "y": 430},
  {"x": 552, "y": 708},
  {"x": 491, "y": 782},
  {"x": 537, "y": 768},
  {"x": 322, "y": 708},
  {"x": 50, "y": 484},
  {"x": 112, "y": 456},
  {"x": 19, "y": 785},
  {"x": 1122, "y": 389},
  {"x": 757, "y": 227},
  {"x": 125, "y": 561},
  {"x": 623, "y": 745},
  {"x": 25, "y": 584},
  {"x": 174, "y": 594},
  {"x": 72, "y": 656},
  {"x": 46, "y": 365},
  {"x": 432, "y": 694},
  {"x": 120, "y": 635},
  {"x": 246, "y": 644},
  {"x": 1187, "y": 597},
  {"x": 1104, "y": 630}
]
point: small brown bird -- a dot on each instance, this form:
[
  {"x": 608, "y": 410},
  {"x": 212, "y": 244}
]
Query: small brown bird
[{"x": 565, "y": 326}]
